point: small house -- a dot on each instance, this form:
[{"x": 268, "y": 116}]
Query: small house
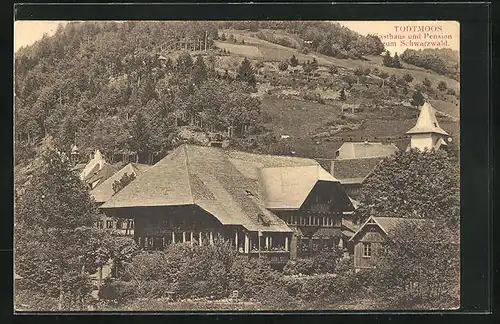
[{"x": 368, "y": 241}]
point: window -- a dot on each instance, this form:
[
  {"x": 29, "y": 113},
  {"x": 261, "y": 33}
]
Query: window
[
  {"x": 100, "y": 224},
  {"x": 367, "y": 250},
  {"x": 130, "y": 224},
  {"x": 109, "y": 224}
]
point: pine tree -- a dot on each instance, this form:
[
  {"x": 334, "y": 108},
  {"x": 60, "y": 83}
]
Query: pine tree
[
  {"x": 246, "y": 72},
  {"x": 139, "y": 136},
  {"x": 396, "y": 63},
  {"x": 387, "y": 60},
  {"x": 293, "y": 61},
  {"x": 342, "y": 96},
  {"x": 199, "y": 73},
  {"x": 418, "y": 99},
  {"x": 184, "y": 63},
  {"x": 314, "y": 63},
  {"x": 53, "y": 220}
]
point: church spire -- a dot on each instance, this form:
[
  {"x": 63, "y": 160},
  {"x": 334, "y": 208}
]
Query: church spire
[
  {"x": 427, "y": 122},
  {"x": 427, "y": 134}
]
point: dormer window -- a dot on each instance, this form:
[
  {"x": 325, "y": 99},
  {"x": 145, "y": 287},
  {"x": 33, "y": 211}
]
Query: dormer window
[
  {"x": 264, "y": 220},
  {"x": 248, "y": 193}
]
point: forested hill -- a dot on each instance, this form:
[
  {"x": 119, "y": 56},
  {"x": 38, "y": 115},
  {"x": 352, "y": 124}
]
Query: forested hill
[
  {"x": 123, "y": 87},
  {"x": 141, "y": 88}
]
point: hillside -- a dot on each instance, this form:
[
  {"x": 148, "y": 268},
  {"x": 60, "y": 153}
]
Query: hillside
[{"x": 128, "y": 88}]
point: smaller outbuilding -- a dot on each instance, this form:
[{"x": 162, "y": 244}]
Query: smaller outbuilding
[{"x": 368, "y": 241}]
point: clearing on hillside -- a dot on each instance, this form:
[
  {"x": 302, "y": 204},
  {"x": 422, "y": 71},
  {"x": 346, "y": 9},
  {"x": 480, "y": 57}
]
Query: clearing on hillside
[{"x": 245, "y": 50}]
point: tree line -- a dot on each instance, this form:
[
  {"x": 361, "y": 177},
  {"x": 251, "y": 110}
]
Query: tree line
[
  {"x": 327, "y": 38},
  {"x": 442, "y": 61}
]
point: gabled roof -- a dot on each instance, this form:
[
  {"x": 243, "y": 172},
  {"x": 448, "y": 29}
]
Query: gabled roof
[
  {"x": 104, "y": 191},
  {"x": 364, "y": 150},
  {"x": 106, "y": 171},
  {"x": 427, "y": 122},
  {"x": 354, "y": 171},
  {"x": 288, "y": 187},
  {"x": 222, "y": 182},
  {"x": 349, "y": 226},
  {"x": 387, "y": 224},
  {"x": 95, "y": 164}
]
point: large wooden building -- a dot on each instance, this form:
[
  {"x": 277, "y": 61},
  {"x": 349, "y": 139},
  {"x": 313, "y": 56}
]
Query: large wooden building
[
  {"x": 105, "y": 190},
  {"x": 272, "y": 206}
]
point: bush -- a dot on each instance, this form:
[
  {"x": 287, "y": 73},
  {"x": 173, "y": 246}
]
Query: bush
[
  {"x": 197, "y": 271},
  {"x": 451, "y": 92},
  {"x": 408, "y": 77},
  {"x": 276, "y": 295},
  {"x": 313, "y": 96},
  {"x": 283, "y": 65},
  {"x": 442, "y": 86},
  {"x": 118, "y": 291},
  {"x": 251, "y": 277}
]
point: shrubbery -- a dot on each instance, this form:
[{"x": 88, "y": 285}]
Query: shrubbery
[{"x": 195, "y": 272}]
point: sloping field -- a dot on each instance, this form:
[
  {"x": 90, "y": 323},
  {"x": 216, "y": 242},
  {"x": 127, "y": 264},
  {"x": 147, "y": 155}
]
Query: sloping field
[
  {"x": 275, "y": 52},
  {"x": 245, "y": 50},
  {"x": 450, "y": 108},
  {"x": 301, "y": 119}
]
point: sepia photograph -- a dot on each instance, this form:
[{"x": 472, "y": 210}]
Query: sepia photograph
[{"x": 236, "y": 165}]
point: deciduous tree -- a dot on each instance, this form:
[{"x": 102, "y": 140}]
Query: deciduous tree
[{"x": 413, "y": 184}]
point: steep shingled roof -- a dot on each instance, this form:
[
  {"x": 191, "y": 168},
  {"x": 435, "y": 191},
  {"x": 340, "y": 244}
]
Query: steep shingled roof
[
  {"x": 353, "y": 171},
  {"x": 100, "y": 175},
  {"x": 288, "y": 187},
  {"x": 104, "y": 191},
  {"x": 427, "y": 122},
  {"x": 224, "y": 183},
  {"x": 387, "y": 224}
]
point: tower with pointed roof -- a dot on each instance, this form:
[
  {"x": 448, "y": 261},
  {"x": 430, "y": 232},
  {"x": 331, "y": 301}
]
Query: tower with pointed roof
[
  {"x": 75, "y": 155},
  {"x": 427, "y": 134}
]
